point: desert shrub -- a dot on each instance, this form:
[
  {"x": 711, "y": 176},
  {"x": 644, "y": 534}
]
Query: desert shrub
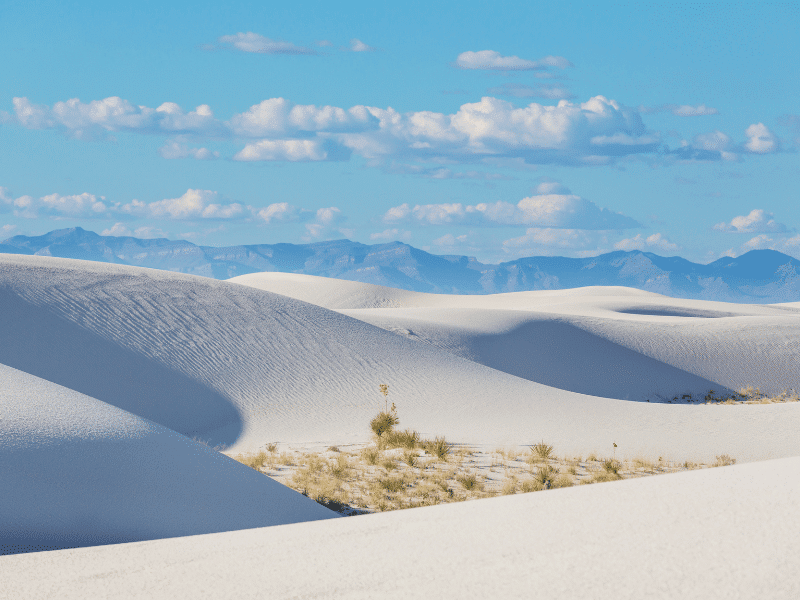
[
  {"x": 410, "y": 458},
  {"x": 469, "y": 481},
  {"x": 723, "y": 460},
  {"x": 272, "y": 447},
  {"x": 401, "y": 439},
  {"x": 542, "y": 450},
  {"x": 392, "y": 484},
  {"x": 254, "y": 461},
  {"x": 384, "y": 422},
  {"x": 545, "y": 476},
  {"x": 601, "y": 476},
  {"x": 531, "y": 485},
  {"x": 439, "y": 447},
  {"x": 371, "y": 455},
  {"x": 612, "y": 466},
  {"x": 333, "y": 449},
  {"x": 389, "y": 464},
  {"x": 562, "y": 481},
  {"x": 509, "y": 487},
  {"x": 340, "y": 467}
]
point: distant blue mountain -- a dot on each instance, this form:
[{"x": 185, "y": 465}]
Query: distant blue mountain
[{"x": 759, "y": 276}]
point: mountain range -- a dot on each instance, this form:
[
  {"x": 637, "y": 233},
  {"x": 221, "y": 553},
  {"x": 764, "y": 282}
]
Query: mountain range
[{"x": 759, "y": 276}]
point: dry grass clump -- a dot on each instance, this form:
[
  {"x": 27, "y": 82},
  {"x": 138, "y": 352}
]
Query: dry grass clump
[
  {"x": 253, "y": 460},
  {"x": 745, "y": 395},
  {"x": 438, "y": 447},
  {"x": 542, "y": 450},
  {"x": 723, "y": 460}
]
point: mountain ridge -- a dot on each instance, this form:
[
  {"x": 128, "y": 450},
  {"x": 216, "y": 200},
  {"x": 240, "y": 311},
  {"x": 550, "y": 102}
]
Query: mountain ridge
[{"x": 759, "y": 276}]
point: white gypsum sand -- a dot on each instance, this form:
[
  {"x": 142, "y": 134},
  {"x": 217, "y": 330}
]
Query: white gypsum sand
[
  {"x": 730, "y": 532},
  {"x": 135, "y": 350}
]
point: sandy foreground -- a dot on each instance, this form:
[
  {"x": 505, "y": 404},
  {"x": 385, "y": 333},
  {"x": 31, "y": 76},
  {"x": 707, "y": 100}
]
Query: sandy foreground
[{"x": 115, "y": 380}]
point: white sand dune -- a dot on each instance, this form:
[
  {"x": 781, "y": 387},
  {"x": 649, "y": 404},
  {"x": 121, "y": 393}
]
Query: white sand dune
[
  {"x": 611, "y": 342},
  {"x": 78, "y": 472},
  {"x": 135, "y": 360},
  {"x": 730, "y": 532},
  {"x": 231, "y": 364}
]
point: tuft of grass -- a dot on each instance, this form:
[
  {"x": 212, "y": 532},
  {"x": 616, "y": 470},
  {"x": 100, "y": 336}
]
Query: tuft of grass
[
  {"x": 333, "y": 449},
  {"x": 339, "y": 468},
  {"x": 723, "y": 460},
  {"x": 545, "y": 475},
  {"x": 407, "y": 439},
  {"x": 542, "y": 450},
  {"x": 612, "y": 466},
  {"x": 509, "y": 487},
  {"x": 272, "y": 447},
  {"x": 469, "y": 481},
  {"x": 410, "y": 458},
  {"x": 371, "y": 455},
  {"x": 531, "y": 485},
  {"x": 439, "y": 447},
  {"x": 384, "y": 422},
  {"x": 392, "y": 484},
  {"x": 254, "y": 461}
]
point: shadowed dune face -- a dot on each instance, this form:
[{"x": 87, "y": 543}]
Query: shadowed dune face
[
  {"x": 40, "y": 342},
  {"x": 669, "y": 311},
  {"x": 560, "y": 355}
]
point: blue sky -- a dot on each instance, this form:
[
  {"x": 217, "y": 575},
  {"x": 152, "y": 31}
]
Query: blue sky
[{"x": 493, "y": 129}]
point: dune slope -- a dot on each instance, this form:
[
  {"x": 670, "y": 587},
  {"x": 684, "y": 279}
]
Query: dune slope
[
  {"x": 78, "y": 472},
  {"x": 729, "y": 532}
]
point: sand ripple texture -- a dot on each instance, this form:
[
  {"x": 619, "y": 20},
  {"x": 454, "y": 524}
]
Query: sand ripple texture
[{"x": 233, "y": 364}]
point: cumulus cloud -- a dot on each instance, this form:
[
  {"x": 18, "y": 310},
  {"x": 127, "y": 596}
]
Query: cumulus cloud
[
  {"x": 173, "y": 149},
  {"x": 56, "y": 205},
  {"x": 324, "y": 224},
  {"x": 758, "y": 221},
  {"x": 279, "y": 212},
  {"x": 145, "y": 232},
  {"x": 760, "y": 139},
  {"x": 656, "y": 241},
  {"x": 291, "y": 150},
  {"x": 680, "y": 110},
  {"x": 520, "y": 90},
  {"x": 278, "y": 117},
  {"x": 357, "y": 45},
  {"x": 492, "y": 60},
  {"x": 548, "y": 242},
  {"x": 763, "y": 241},
  {"x": 194, "y": 204},
  {"x": 543, "y": 210},
  {"x": 253, "y": 42},
  {"x": 389, "y": 235}
]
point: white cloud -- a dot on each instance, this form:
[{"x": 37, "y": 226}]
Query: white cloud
[
  {"x": 763, "y": 241},
  {"x": 756, "y": 222},
  {"x": 278, "y": 117},
  {"x": 291, "y": 150},
  {"x": 7, "y": 229},
  {"x": 549, "y": 242},
  {"x": 388, "y": 235},
  {"x": 520, "y": 90},
  {"x": 75, "y": 205},
  {"x": 760, "y": 139},
  {"x": 680, "y": 110},
  {"x": 173, "y": 149},
  {"x": 145, "y": 232},
  {"x": 656, "y": 241},
  {"x": 492, "y": 60},
  {"x": 253, "y": 42},
  {"x": 194, "y": 204},
  {"x": 326, "y": 220},
  {"x": 279, "y": 212},
  {"x": 357, "y": 45},
  {"x": 543, "y": 210}
]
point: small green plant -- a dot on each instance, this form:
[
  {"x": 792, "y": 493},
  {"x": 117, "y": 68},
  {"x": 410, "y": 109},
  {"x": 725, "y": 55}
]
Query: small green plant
[
  {"x": 384, "y": 422},
  {"x": 469, "y": 481},
  {"x": 542, "y": 450},
  {"x": 439, "y": 447}
]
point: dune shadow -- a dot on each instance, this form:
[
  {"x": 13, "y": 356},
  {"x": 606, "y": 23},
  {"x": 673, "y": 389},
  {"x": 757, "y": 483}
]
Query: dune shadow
[
  {"x": 658, "y": 311},
  {"x": 561, "y": 355},
  {"x": 37, "y": 341}
]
